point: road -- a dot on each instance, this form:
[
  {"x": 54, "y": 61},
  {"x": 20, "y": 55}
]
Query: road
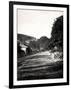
[{"x": 40, "y": 66}]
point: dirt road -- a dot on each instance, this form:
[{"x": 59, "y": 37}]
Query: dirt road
[{"x": 40, "y": 66}]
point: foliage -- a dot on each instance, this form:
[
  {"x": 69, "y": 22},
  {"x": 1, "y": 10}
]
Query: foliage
[
  {"x": 20, "y": 52},
  {"x": 57, "y": 33},
  {"x": 43, "y": 42},
  {"x": 28, "y": 50}
]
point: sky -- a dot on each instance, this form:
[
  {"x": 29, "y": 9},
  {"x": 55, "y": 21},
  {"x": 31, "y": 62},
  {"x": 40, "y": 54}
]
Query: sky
[{"x": 36, "y": 23}]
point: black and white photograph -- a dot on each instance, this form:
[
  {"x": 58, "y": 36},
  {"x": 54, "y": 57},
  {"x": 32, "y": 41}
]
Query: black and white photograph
[{"x": 39, "y": 43}]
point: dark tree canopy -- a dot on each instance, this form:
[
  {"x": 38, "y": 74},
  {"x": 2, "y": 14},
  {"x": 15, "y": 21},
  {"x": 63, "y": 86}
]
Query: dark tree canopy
[
  {"x": 43, "y": 39},
  {"x": 33, "y": 44},
  {"x": 43, "y": 42},
  {"x": 57, "y": 33},
  {"x": 20, "y": 52},
  {"x": 18, "y": 47},
  {"x": 57, "y": 29},
  {"x": 28, "y": 50}
]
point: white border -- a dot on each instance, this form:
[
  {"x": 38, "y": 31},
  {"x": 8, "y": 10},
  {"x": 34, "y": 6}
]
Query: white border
[{"x": 47, "y": 81}]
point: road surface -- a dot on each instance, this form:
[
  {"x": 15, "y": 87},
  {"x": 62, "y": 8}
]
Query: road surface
[{"x": 42, "y": 65}]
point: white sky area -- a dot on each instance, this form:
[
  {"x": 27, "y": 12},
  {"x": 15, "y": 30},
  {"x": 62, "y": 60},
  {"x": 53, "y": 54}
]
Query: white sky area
[{"x": 36, "y": 23}]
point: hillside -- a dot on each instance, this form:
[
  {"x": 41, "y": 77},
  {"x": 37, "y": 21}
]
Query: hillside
[{"x": 25, "y": 38}]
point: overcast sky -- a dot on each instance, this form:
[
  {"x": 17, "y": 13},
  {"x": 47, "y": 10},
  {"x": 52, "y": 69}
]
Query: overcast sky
[{"x": 36, "y": 23}]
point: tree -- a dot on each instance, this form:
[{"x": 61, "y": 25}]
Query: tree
[
  {"x": 20, "y": 52},
  {"x": 28, "y": 50},
  {"x": 57, "y": 29},
  {"x": 18, "y": 47},
  {"x": 57, "y": 33},
  {"x": 43, "y": 42},
  {"x": 34, "y": 45}
]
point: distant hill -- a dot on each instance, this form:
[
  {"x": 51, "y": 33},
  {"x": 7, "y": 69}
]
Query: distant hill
[{"x": 24, "y": 39}]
